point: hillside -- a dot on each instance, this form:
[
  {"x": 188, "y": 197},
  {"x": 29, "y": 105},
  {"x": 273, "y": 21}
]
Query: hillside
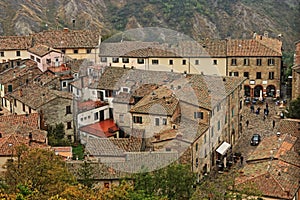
[{"x": 196, "y": 18}]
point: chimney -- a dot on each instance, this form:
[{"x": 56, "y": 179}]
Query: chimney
[
  {"x": 14, "y": 74},
  {"x": 266, "y": 34}
]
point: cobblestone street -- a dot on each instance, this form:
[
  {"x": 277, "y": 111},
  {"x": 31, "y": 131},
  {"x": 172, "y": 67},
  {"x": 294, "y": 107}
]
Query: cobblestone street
[{"x": 257, "y": 124}]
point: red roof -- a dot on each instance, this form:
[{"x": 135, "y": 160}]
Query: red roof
[
  {"x": 89, "y": 105},
  {"x": 61, "y": 68},
  {"x": 102, "y": 129}
]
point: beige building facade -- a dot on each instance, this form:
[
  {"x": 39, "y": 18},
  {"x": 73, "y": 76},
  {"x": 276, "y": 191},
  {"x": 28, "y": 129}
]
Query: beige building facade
[{"x": 296, "y": 73}]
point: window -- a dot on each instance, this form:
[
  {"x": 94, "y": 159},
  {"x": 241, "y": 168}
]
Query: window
[
  {"x": 103, "y": 59},
  {"x": 125, "y": 90},
  {"x": 164, "y": 121},
  {"x": 68, "y": 109},
  {"x": 204, "y": 140},
  {"x": 138, "y": 120},
  {"x": 125, "y": 60},
  {"x": 156, "y": 121},
  {"x": 196, "y": 62},
  {"x": 258, "y": 75},
  {"x": 271, "y": 61},
  {"x": 38, "y": 60},
  {"x": 81, "y": 119},
  {"x": 64, "y": 84},
  {"x": 63, "y": 51},
  {"x": 2, "y": 53},
  {"x": 236, "y": 73},
  {"x": 258, "y": 62},
  {"x": 232, "y": 112},
  {"x": 75, "y": 51},
  {"x": 212, "y": 131},
  {"x": 184, "y": 62},
  {"x": 155, "y": 62},
  {"x": 246, "y": 74},
  {"x": 170, "y": 62},
  {"x": 215, "y": 62},
  {"x": 230, "y": 73},
  {"x": 23, "y": 105},
  {"x": 121, "y": 118},
  {"x": 197, "y": 162},
  {"x": 271, "y": 75},
  {"x": 196, "y": 147},
  {"x": 219, "y": 125},
  {"x": 29, "y": 110},
  {"x": 198, "y": 115},
  {"x": 246, "y": 61},
  {"x": 205, "y": 153},
  {"x": 48, "y": 61},
  {"x": 233, "y": 61},
  {"x": 18, "y": 53},
  {"x": 69, "y": 125},
  {"x": 140, "y": 61},
  {"x": 115, "y": 60},
  {"x": 9, "y": 88},
  {"x": 88, "y": 51},
  {"x": 15, "y": 102},
  {"x": 96, "y": 116}
]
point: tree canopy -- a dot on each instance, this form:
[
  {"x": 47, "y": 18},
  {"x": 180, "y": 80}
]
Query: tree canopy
[{"x": 294, "y": 109}]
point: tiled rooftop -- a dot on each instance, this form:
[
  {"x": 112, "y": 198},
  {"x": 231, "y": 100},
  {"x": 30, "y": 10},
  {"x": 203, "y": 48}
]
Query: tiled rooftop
[
  {"x": 254, "y": 47},
  {"x": 160, "y": 102},
  {"x": 10, "y": 142},
  {"x": 62, "y": 39},
  {"x": 41, "y": 50},
  {"x": 102, "y": 129},
  {"x": 89, "y": 105},
  {"x": 65, "y": 152},
  {"x": 31, "y": 120},
  {"x": 272, "y": 146},
  {"x": 15, "y": 42},
  {"x": 274, "y": 179},
  {"x": 36, "y": 96},
  {"x": 12, "y": 74},
  {"x": 113, "y": 146},
  {"x": 204, "y": 48}
]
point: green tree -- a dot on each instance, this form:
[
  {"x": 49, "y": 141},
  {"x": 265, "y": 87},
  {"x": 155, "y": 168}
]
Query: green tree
[
  {"x": 56, "y": 135},
  {"x": 294, "y": 109},
  {"x": 38, "y": 174},
  {"x": 86, "y": 174},
  {"x": 172, "y": 182}
]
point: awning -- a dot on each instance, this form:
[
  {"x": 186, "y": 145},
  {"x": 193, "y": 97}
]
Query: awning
[{"x": 223, "y": 148}]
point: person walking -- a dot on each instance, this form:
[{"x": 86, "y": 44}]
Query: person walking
[
  {"x": 252, "y": 108},
  {"x": 267, "y": 106},
  {"x": 242, "y": 160},
  {"x": 247, "y": 123}
]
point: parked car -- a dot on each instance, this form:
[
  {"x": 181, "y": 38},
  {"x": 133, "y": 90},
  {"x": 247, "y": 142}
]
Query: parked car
[{"x": 255, "y": 139}]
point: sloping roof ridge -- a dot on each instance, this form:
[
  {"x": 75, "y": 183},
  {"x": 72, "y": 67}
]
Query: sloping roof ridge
[{"x": 265, "y": 45}]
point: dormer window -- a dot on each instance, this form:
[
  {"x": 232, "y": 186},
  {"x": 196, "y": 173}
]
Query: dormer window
[
  {"x": 75, "y": 51},
  {"x": 18, "y": 53}
]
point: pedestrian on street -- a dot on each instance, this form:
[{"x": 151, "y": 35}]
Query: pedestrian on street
[
  {"x": 264, "y": 117},
  {"x": 242, "y": 159},
  {"x": 247, "y": 123},
  {"x": 258, "y": 109},
  {"x": 273, "y": 123},
  {"x": 252, "y": 108},
  {"x": 267, "y": 106},
  {"x": 257, "y": 112}
]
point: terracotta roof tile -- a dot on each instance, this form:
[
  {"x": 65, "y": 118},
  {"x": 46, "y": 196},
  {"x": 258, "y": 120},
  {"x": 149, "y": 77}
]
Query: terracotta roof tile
[
  {"x": 113, "y": 146},
  {"x": 89, "y": 105},
  {"x": 16, "y": 73},
  {"x": 161, "y": 96},
  {"x": 102, "y": 129},
  {"x": 274, "y": 179},
  {"x": 36, "y": 96},
  {"x": 15, "y": 42},
  {"x": 41, "y": 50},
  {"x": 254, "y": 47},
  {"x": 61, "y": 39}
]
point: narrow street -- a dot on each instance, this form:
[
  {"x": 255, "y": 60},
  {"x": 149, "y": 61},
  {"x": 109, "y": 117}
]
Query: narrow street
[{"x": 257, "y": 124}]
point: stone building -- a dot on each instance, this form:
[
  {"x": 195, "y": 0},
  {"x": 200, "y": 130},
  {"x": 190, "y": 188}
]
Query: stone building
[
  {"x": 260, "y": 61},
  {"x": 54, "y": 106}
]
